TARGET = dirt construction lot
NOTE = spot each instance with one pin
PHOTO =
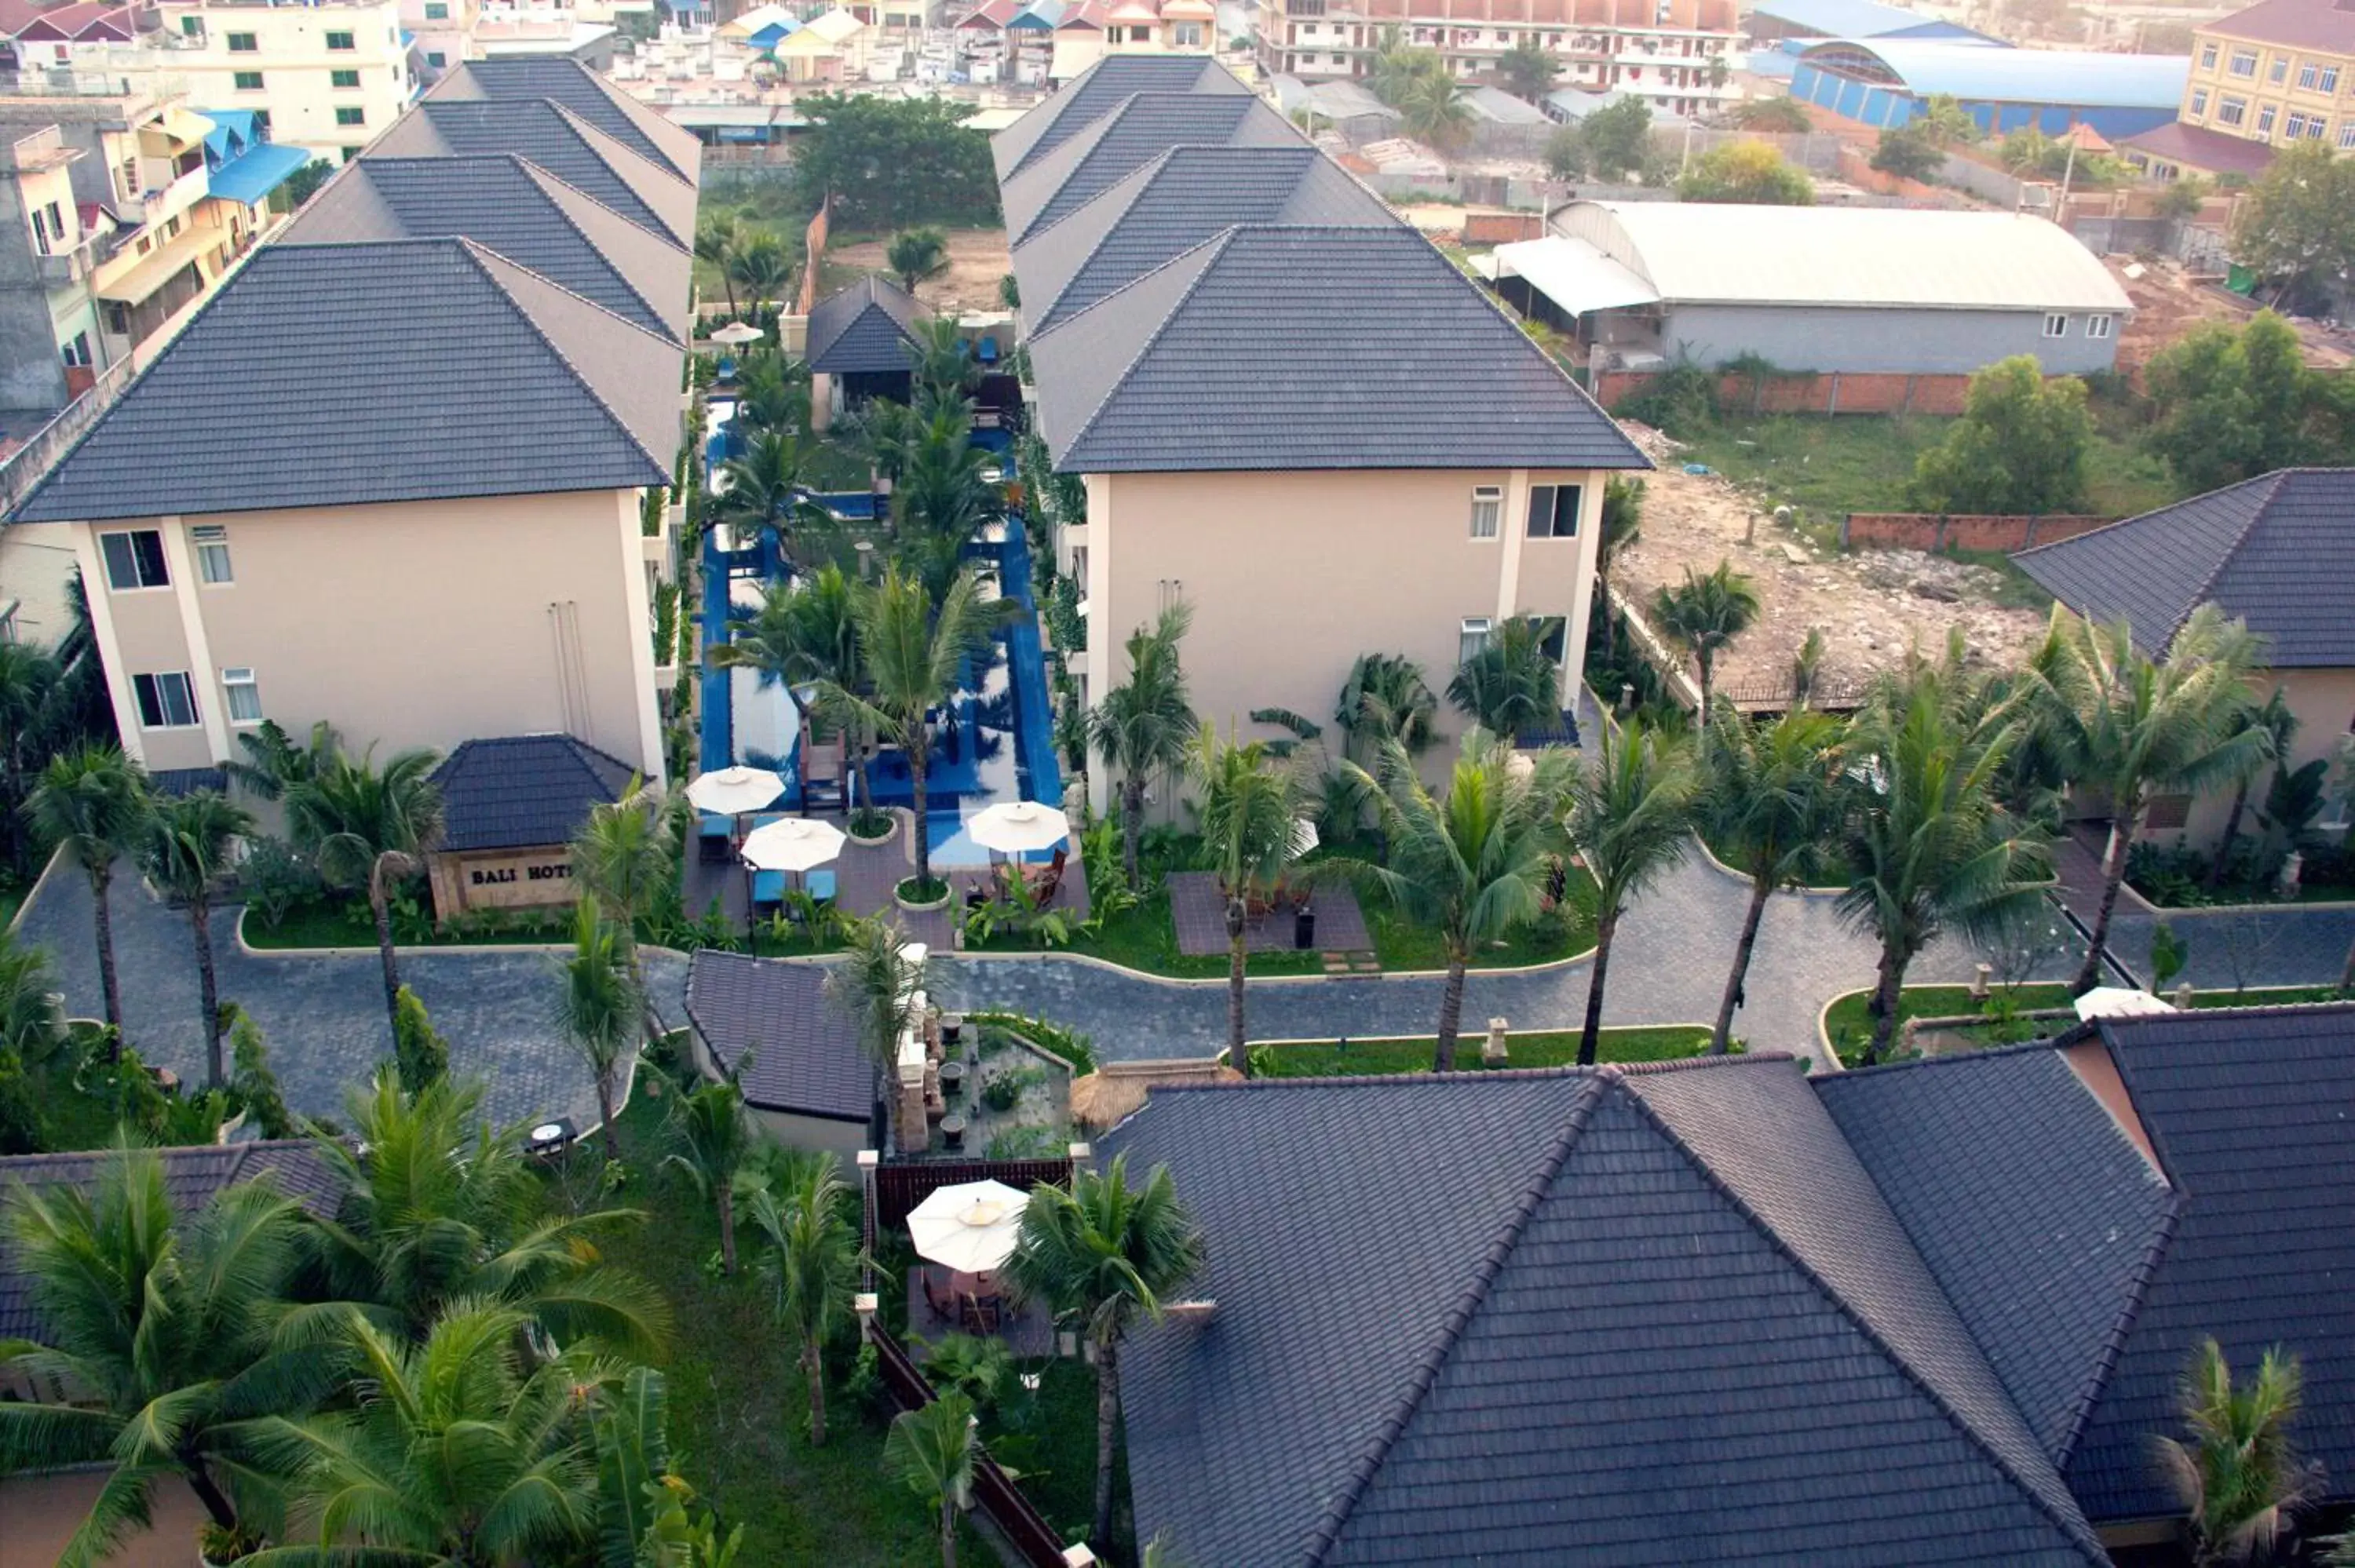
(1873, 605)
(977, 260)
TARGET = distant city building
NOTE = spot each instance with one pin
(326, 77)
(1885, 82)
(2278, 72)
(1814, 20)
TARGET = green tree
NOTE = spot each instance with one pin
(600, 1010)
(768, 487)
(2230, 404)
(2129, 728)
(916, 254)
(717, 240)
(31, 682)
(1779, 116)
(1526, 71)
(625, 857)
(161, 1323)
(2182, 197)
(2296, 225)
(1104, 1256)
(944, 368)
(419, 1055)
(1144, 725)
(1947, 122)
(2239, 1473)
(805, 633)
(32, 1014)
(1623, 528)
(1910, 151)
(1631, 817)
(888, 164)
(2020, 446)
(1512, 683)
(304, 182)
(93, 803)
(874, 985)
(272, 762)
(365, 826)
(1750, 172)
(2274, 726)
(1386, 699)
(813, 1264)
(1472, 865)
(1769, 810)
(1565, 152)
(1397, 67)
(762, 269)
(1704, 615)
(1431, 110)
(710, 1140)
(1617, 137)
(933, 1450)
(1248, 800)
(187, 851)
(253, 1081)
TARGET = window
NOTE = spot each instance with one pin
(2207, 57)
(1487, 501)
(433, 59)
(1187, 35)
(2294, 127)
(118, 317)
(350, 152)
(1553, 511)
(244, 696)
(166, 701)
(2231, 110)
(2244, 61)
(2347, 137)
(437, 13)
(343, 78)
(2280, 72)
(2097, 326)
(352, 116)
(171, 228)
(2328, 82)
(345, 41)
(2200, 100)
(2316, 127)
(2264, 120)
(2056, 324)
(243, 44)
(1472, 638)
(2308, 75)
(78, 351)
(212, 553)
(134, 560)
(261, 122)
(247, 81)
(192, 27)
(129, 177)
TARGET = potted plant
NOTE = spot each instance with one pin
(872, 825)
(218, 1546)
(916, 896)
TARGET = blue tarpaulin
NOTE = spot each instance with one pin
(253, 173)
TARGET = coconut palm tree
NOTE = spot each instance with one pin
(2239, 1474)
(1144, 725)
(916, 254)
(1103, 1257)
(625, 857)
(32, 1014)
(2275, 727)
(272, 763)
(29, 681)
(1631, 817)
(187, 850)
(813, 1264)
(773, 394)
(716, 242)
(1705, 614)
(1248, 800)
(1431, 110)
(709, 1141)
(1512, 683)
(1472, 865)
(600, 1010)
(1929, 846)
(460, 1450)
(933, 1450)
(915, 653)
(365, 826)
(762, 269)
(161, 1323)
(1622, 529)
(768, 487)
(1385, 699)
(1770, 809)
(2132, 728)
(93, 803)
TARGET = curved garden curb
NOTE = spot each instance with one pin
(1068, 956)
(1720, 866)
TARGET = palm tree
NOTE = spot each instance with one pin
(366, 826)
(29, 679)
(458, 1451)
(1512, 683)
(187, 848)
(1771, 811)
(916, 655)
(874, 985)
(2275, 727)
(32, 1014)
(761, 267)
(1631, 817)
(773, 394)
(1929, 846)
(1385, 699)
(273, 764)
(600, 1010)
(2132, 728)
(1248, 801)
(1102, 1256)
(1705, 614)
(161, 1325)
(1526, 71)
(711, 1140)
(942, 368)
(1474, 865)
(1622, 529)
(92, 802)
(916, 254)
(814, 1265)
(716, 240)
(768, 488)
(1434, 113)
(625, 856)
(933, 1450)
(1144, 725)
(2239, 1474)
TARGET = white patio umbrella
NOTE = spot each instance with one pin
(1304, 836)
(736, 334)
(2117, 1001)
(734, 790)
(1014, 826)
(971, 1226)
(792, 844)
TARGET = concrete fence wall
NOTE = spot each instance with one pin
(1935, 531)
(1833, 392)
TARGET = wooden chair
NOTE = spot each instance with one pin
(1050, 881)
(981, 1313)
(938, 1297)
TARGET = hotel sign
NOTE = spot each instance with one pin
(535, 876)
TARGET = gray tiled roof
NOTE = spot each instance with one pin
(558, 140)
(1094, 92)
(805, 1055)
(2037, 1215)
(400, 371)
(2253, 1114)
(1171, 205)
(1634, 1317)
(866, 328)
(524, 791)
(1378, 351)
(191, 1176)
(1141, 129)
(583, 91)
(524, 213)
(2271, 551)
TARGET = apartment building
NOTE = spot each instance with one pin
(2278, 72)
(1677, 54)
(328, 77)
(455, 382)
(1289, 410)
(440, 30)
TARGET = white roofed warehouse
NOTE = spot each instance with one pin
(1829, 290)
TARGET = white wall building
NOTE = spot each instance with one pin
(329, 76)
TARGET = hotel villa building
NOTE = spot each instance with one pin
(2278, 72)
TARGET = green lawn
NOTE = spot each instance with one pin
(1548, 1048)
(1849, 1023)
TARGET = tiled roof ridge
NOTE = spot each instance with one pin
(245, 1152)
(582, 131)
(1950, 1058)
(580, 125)
(2225, 558)
(1104, 124)
(1490, 1074)
(2089, 1394)
(1217, 245)
(2077, 1530)
(2270, 479)
(1427, 1367)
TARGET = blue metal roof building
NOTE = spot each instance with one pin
(1848, 19)
(1888, 81)
(246, 164)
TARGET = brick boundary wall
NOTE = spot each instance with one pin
(1933, 531)
(1831, 392)
(1501, 227)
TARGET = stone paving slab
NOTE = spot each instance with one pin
(1200, 912)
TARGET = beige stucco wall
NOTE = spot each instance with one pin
(417, 623)
(501, 879)
(1293, 574)
(2324, 702)
(38, 1514)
